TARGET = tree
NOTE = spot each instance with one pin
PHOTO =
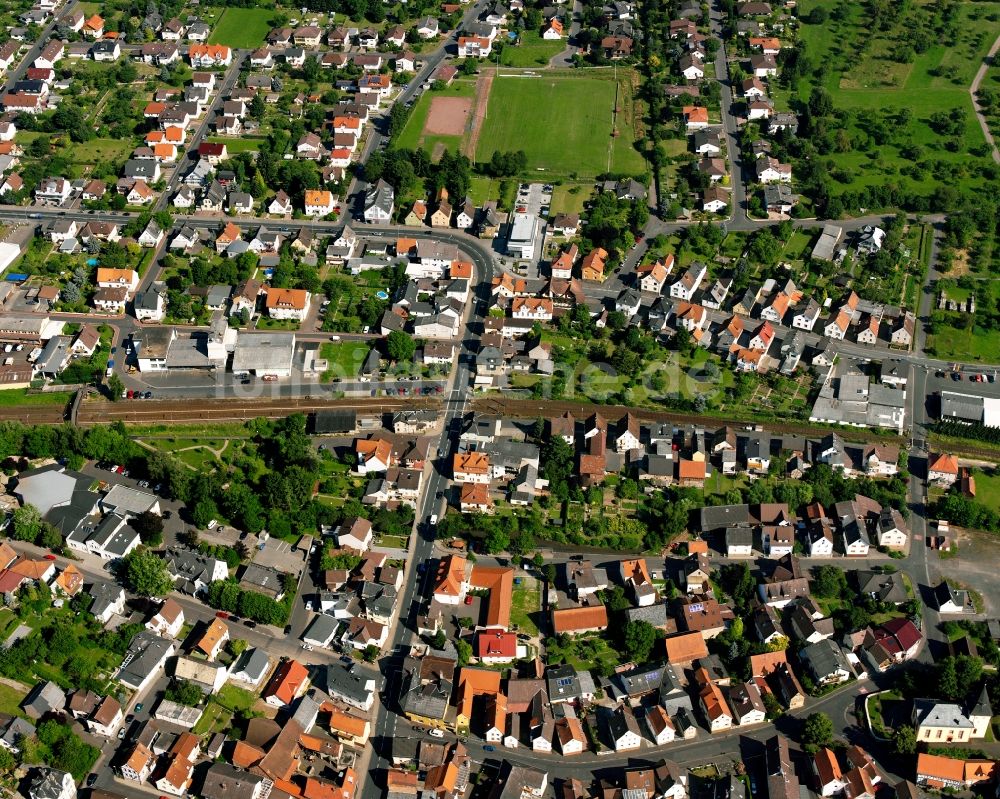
(828, 581)
(639, 637)
(49, 537)
(738, 583)
(497, 540)
(147, 574)
(904, 740)
(772, 706)
(27, 523)
(149, 526)
(115, 387)
(184, 692)
(439, 640)
(236, 646)
(113, 255)
(400, 346)
(463, 650)
(817, 732)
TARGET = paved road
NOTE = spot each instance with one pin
(565, 58)
(379, 138)
(738, 216)
(458, 393)
(19, 71)
(980, 74)
(185, 162)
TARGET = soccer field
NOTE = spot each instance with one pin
(242, 27)
(563, 124)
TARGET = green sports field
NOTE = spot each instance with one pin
(242, 27)
(562, 123)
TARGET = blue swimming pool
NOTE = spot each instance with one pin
(91, 262)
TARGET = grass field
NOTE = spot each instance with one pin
(344, 358)
(525, 603)
(988, 489)
(973, 344)
(242, 27)
(861, 68)
(562, 123)
(532, 51)
(89, 152)
(954, 339)
(21, 396)
(241, 145)
(413, 136)
(10, 700)
(570, 198)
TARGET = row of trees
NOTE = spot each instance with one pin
(227, 595)
(405, 169)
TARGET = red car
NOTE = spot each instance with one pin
(50, 557)
(222, 615)
(468, 600)
(130, 394)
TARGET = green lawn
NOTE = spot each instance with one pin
(988, 489)
(525, 602)
(564, 124)
(570, 198)
(484, 189)
(344, 358)
(22, 396)
(10, 700)
(215, 718)
(242, 27)
(88, 152)
(531, 51)
(233, 698)
(246, 144)
(413, 136)
(974, 343)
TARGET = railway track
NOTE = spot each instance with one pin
(533, 409)
(190, 411)
(34, 414)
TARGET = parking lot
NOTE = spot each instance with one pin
(534, 198)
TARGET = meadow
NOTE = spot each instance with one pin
(242, 27)
(413, 135)
(531, 51)
(890, 82)
(563, 124)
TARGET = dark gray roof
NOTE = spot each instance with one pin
(338, 682)
(720, 516)
(253, 663)
(223, 781)
(824, 658)
(44, 698)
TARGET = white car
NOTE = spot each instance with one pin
(436, 733)
(211, 525)
(307, 647)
